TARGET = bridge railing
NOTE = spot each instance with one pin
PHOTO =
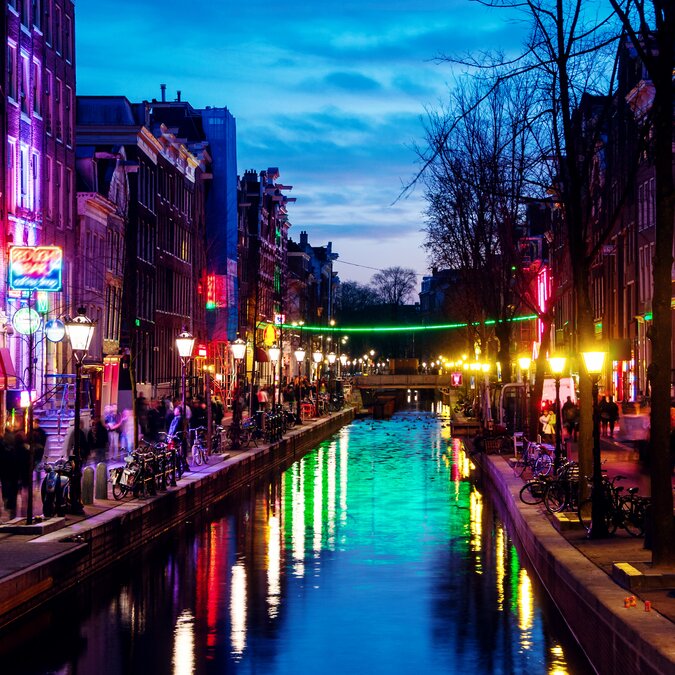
(401, 381)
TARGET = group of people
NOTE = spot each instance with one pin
(609, 415)
(16, 469)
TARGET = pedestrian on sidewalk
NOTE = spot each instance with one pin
(613, 412)
(547, 420)
(604, 415)
(98, 438)
(570, 416)
(111, 420)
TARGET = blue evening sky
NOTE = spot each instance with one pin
(332, 93)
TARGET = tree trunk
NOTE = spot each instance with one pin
(663, 551)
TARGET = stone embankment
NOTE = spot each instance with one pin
(614, 638)
(36, 569)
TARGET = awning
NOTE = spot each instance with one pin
(8, 374)
(261, 355)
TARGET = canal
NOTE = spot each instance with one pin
(376, 552)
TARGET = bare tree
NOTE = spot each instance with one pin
(394, 285)
(356, 297)
(475, 189)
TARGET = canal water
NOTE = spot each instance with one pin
(374, 553)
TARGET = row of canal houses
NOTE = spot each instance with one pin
(138, 213)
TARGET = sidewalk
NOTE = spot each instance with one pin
(621, 458)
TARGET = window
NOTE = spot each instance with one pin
(24, 11)
(69, 198)
(57, 109)
(48, 102)
(35, 178)
(68, 116)
(11, 171)
(68, 37)
(24, 172)
(49, 186)
(37, 13)
(58, 180)
(24, 91)
(58, 30)
(12, 73)
(37, 89)
(48, 24)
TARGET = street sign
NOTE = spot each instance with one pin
(55, 330)
(26, 321)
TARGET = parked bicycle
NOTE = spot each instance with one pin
(535, 456)
(198, 449)
(628, 511)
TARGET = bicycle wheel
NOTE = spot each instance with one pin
(205, 455)
(633, 517)
(119, 491)
(196, 453)
(532, 492)
(584, 511)
(542, 465)
(555, 497)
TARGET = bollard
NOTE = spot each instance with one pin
(648, 606)
(633, 601)
(88, 486)
(101, 481)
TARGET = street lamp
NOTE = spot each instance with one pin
(299, 357)
(557, 365)
(185, 342)
(80, 330)
(594, 362)
(238, 349)
(274, 354)
(317, 357)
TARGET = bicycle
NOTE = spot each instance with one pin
(628, 512)
(198, 452)
(534, 456)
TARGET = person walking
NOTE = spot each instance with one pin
(604, 415)
(9, 472)
(111, 421)
(547, 429)
(613, 415)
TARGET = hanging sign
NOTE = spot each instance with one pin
(269, 335)
(35, 268)
(26, 321)
(55, 330)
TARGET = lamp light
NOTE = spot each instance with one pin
(238, 348)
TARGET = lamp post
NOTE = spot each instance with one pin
(594, 362)
(524, 363)
(80, 330)
(557, 365)
(317, 357)
(238, 349)
(331, 362)
(343, 362)
(274, 354)
(185, 342)
(299, 357)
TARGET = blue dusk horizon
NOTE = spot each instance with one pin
(333, 96)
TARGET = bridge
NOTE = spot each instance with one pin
(402, 381)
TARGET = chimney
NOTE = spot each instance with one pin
(178, 96)
(303, 238)
(163, 88)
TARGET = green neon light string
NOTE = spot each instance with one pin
(393, 329)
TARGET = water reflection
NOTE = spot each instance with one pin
(374, 553)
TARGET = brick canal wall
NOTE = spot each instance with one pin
(54, 563)
(614, 639)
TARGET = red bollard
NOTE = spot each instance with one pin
(648, 606)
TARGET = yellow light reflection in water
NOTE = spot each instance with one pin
(558, 665)
(298, 515)
(331, 496)
(476, 525)
(318, 502)
(500, 565)
(525, 609)
(273, 566)
(238, 610)
(184, 644)
(344, 478)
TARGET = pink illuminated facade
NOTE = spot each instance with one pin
(38, 196)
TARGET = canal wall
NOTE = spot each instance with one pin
(615, 640)
(49, 565)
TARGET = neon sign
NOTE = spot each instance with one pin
(35, 268)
